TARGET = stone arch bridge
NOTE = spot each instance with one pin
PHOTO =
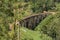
(32, 21)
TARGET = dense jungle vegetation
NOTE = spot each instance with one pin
(12, 11)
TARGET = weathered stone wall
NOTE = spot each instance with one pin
(32, 21)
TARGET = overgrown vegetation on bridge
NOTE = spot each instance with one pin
(12, 11)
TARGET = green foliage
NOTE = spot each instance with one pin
(57, 6)
(32, 35)
(50, 26)
(6, 17)
(12, 10)
(44, 22)
(42, 5)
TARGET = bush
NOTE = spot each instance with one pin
(42, 5)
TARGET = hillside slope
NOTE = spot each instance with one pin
(26, 34)
(50, 26)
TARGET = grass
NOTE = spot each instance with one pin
(50, 26)
(32, 35)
